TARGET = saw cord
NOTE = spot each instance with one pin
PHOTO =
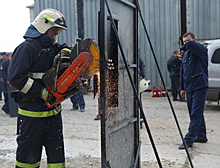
(168, 97)
(133, 85)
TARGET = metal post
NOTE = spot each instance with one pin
(103, 96)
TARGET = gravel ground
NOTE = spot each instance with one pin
(82, 136)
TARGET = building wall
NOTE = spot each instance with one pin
(162, 22)
(203, 18)
(91, 8)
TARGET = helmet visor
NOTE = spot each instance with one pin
(61, 22)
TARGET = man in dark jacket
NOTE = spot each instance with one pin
(40, 126)
(173, 66)
(194, 82)
(4, 57)
(4, 69)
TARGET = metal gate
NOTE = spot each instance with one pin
(118, 106)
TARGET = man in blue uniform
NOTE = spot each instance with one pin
(173, 66)
(4, 69)
(194, 82)
(4, 57)
(40, 125)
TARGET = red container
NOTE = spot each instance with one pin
(159, 93)
(154, 92)
(163, 92)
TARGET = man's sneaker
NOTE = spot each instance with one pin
(82, 110)
(183, 147)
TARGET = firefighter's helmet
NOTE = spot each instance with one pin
(49, 18)
(144, 84)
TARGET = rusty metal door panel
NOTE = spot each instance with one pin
(120, 133)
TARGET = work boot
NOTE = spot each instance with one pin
(141, 123)
(73, 109)
(183, 147)
(200, 140)
(97, 117)
(175, 97)
(82, 110)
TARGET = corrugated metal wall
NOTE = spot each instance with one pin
(69, 9)
(91, 8)
(203, 18)
(162, 22)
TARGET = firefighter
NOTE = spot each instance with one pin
(39, 125)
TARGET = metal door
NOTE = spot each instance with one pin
(120, 118)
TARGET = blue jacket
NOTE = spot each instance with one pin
(194, 71)
(173, 65)
(4, 69)
(1, 60)
(34, 55)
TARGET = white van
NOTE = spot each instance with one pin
(213, 70)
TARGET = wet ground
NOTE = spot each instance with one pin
(82, 136)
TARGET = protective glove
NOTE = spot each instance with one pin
(16, 95)
(65, 53)
(46, 94)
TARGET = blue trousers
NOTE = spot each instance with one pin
(196, 105)
(78, 100)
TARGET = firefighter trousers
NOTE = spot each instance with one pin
(36, 133)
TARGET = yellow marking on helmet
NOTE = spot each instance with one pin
(49, 19)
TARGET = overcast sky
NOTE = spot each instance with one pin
(15, 20)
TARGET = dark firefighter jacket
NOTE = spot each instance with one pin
(194, 71)
(34, 56)
(173, 65)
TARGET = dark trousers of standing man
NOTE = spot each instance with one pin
(175, 87)
(196, 105)
(78, 101)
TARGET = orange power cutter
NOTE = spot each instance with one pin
(84, 59)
